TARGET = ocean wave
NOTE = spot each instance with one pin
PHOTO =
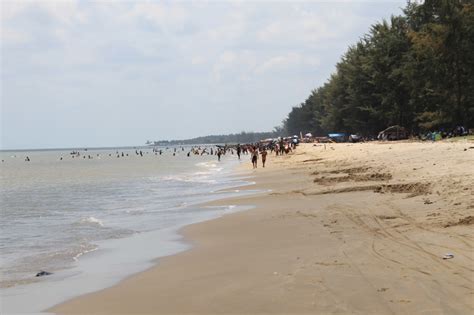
(84, 250)
(92, 220)
(189, 178)
(135, 211)
(211, 165)
(22, 270)
(201, 173)
(223, 208)
(207, 164)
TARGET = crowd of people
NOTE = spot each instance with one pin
(261, 149)
(256, 151)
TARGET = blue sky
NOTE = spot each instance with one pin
(81, 73)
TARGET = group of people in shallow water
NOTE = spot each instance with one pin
(258, 149)
(255, 150)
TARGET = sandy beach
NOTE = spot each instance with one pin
(339, 229)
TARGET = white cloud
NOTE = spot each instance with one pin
(288, 61)
(10, 8)
(139, 56)
(13, 37)
(8, 11)
(65, 12)
(234, 65)
(198, 60)
(168, 16)
(308, 27)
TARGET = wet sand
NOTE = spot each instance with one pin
(345, 229)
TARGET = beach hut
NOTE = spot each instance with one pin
(393, 133)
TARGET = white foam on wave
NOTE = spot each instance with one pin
(201, 173)
(92, 220)
(189, 178)
(204, 175)
(211, 165)
(85, 251)
(134, 211)
(207, 164)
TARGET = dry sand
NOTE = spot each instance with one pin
(345, 229)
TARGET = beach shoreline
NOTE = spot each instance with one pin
(342, 228)
(112, 260)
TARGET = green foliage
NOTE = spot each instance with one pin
(415, 70)
(243, 137)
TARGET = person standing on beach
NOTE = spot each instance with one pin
(263, 152)
(219, 153)
(254, 157)
(238, 150)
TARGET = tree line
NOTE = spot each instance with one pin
(415, 70)
(242, 137)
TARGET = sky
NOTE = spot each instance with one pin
(117, 73)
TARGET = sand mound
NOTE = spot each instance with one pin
(464, 221)
(414, 189)
(387, 217)
(312, 160)
(330, 180)
(345, 190)
(352, 170)
(372, 177)
(354, 177)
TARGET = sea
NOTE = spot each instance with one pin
(95, 216)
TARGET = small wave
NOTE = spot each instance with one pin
(86, 249)
(21, 270)
(207, 164)
(92, 220)
(188, 179)
(211, 165)
(135, 211)
(201, 173)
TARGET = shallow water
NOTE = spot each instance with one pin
(62, 215)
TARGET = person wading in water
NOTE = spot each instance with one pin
(254, 157)
(263, 152)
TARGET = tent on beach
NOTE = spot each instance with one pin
(338, 137)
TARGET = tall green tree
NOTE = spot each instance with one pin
(414, 70)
